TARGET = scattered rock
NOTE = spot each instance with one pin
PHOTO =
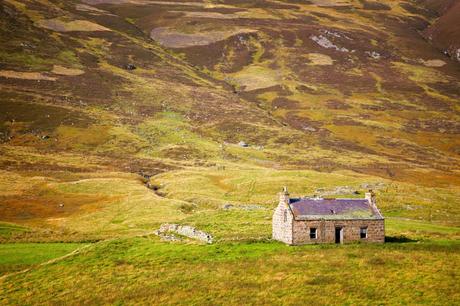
(321, 192)
(130, 67)
(374, 186)
(309, 129)
(326, 43)
(227, 206)
(373, 54)
(243, 144)
(335, 34)
(27, 45)
(242, 207)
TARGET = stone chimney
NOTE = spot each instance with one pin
(284, 197)
(370, 196)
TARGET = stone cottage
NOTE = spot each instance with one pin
(327, 220)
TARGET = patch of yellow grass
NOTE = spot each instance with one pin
(10, 74)
(433, 63)
(211, 15)
(259, 13)
(14, 184)
(331, 3)
(173, 38)
(59, 25)
(420, 73)
(256, 77)
(91, 9)
(318, 59)
(61, 70)
(104, 138)
(133, 207)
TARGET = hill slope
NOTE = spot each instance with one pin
(120, 115)
(111, 90)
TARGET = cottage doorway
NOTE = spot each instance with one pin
(338, 235)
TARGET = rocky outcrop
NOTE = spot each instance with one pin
(183, 230)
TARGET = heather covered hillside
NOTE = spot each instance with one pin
(117, 116)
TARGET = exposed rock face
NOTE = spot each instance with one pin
(444, 34)
(326, 43)
(184, 230)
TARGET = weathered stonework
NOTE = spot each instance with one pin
(326, 231)
(286, 228)
(282, 224)
(184, 230)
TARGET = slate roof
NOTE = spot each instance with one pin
(319, 208)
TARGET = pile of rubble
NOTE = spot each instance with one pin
(167, 231)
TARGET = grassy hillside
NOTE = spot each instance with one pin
(119, 116)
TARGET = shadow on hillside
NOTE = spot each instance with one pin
(398, 239)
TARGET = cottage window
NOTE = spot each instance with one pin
(313, 233)
(285, 216)
(363, 232)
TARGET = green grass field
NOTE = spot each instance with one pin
(19, 256)
(145, 271)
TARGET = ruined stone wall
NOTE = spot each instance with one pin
(185, 230)
(326, 231)
(281, 226)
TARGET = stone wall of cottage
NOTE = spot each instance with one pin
(282, 224)
(326, 231)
